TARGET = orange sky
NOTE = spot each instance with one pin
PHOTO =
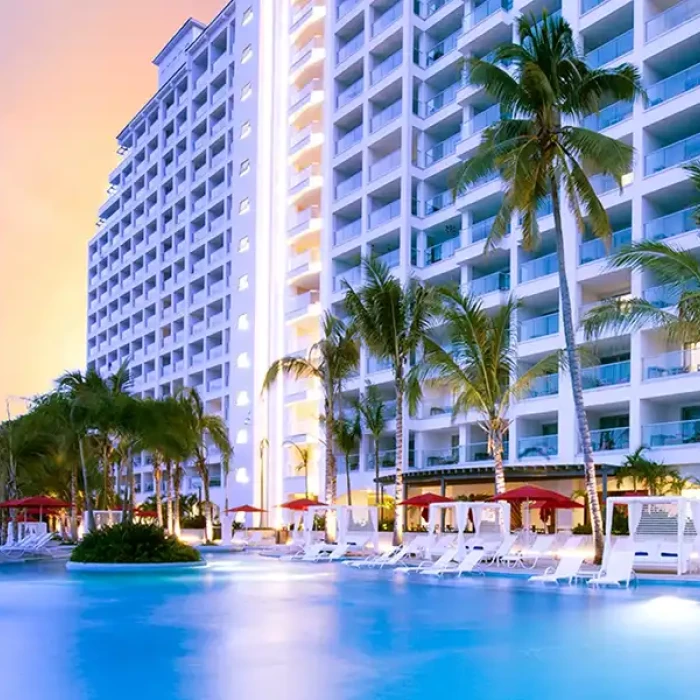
(72, 73)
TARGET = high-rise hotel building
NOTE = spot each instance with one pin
(287, 140)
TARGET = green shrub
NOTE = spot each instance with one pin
(132, 543)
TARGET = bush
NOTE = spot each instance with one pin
(132, 543)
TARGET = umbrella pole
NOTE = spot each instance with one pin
(527, 521)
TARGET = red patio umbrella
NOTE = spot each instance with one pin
(247, 509)
(146, 513)
(301, 504)
(11, 503)
(424, 500)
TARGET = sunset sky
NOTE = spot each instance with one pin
(72, 73)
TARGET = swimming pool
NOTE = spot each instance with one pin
(258, 629)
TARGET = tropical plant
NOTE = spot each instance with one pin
(480, 369)
(347, 432)
(373, 414)
(655, 477)
(304, 460)
(331, 360)
(206, 430)
(542, 154)
(132, 543)
(393, 320)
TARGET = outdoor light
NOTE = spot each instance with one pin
(242, 476)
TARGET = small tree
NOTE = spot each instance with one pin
(372, 411)
(347, 434)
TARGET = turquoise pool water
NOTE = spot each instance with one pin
(258, 629)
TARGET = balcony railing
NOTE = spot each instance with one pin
(438, 202)
(301, 302)
(386, 213)
(547, 385)
(538, 446)
(345, 6)
(387, 115)
(674, 224)
(426, 8)
(388, 65)
(663, 296)
(391, 259)
(485, 10)
(348, 232)
(441, 150)
(302, 219)
(539, 267)
(347, 141)
(441, 251)
(385, 165)
(495, 282)
(441, 49)
(596, 249)
(387, 18)
(674, 154)
(610, 439)
(669, 19)
(610, 374)
(350, 93)
(353, 276)
(539, 327)
(376, 365)
(299, 16)
(588, 5)
(671, 364)
(480, 230)
(303, 96)
(609, 116)
(439, 101)
(350, 48)
(611, 50)
(351, 184)
(682, 432)
(674, 85)
(482, 120)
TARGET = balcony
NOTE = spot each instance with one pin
(480, 230)
(385, 20)
(672, 155)
(375, 364)
(313, 50)
(671, 364)
(441, 49)
(479, 452)
(304, 263)
(304, 222)
(495, 282)
(611, 50)
(539, 327)
(387, 115)
(443, 99)
(348, 232)
(387, 66)
(348, 186)
(441, 150)
(427, 8)
(485, 10)
(547, 385)
(391, 259)
(609, 116)
(353, 277)
(348, 140)
(682, 432)
(670, 19)
(438, 202)
(385, 165)
(386, 213)
(310, 136)
(302, 305)
(539, 267)
(308, 178)
(344, 7)
(538, 446)
(673, 86)
(311, 94)
(610, 439)
(350, 49)
(441, 251)
(674, 224)
(606, 375)
(482, 120)
(350, 93)
(303, 14)
(663, 296)
(596, 249)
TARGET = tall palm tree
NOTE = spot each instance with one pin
(331, 360)
(205, 430)
(347, 432)
(480, 369)
(541, 153)
(304, 456)
(373, 413)
(393, 320)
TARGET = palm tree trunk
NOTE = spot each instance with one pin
(177, 477)
(398, 492)
(208, 524)
(106, 478)
(132, 484)
(576, 384)
(496, 440)
(89, 524)
(347, 478)
(157, 485)
(331, 476)
(169, 493)
(380, 511)
(74, 503)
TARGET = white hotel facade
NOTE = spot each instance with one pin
(287, 140)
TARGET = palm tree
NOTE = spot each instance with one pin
(372, 410)
(347, 433)
(331, 360)
(480, 369)
(204, 430)
(304, 455)
(541, 154)
(393, 320)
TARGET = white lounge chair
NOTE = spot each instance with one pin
(19, 549)
(443, 561)
(566, 570)
(616, 571)
(309, 553)
(467, 566)
(335, 552)
(529, 556)
(503, 549)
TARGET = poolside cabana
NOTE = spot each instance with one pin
(491, 519)
(356, 524)
(663, 530)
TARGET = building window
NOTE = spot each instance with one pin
(242, 398)
(245, 129)
(247, 54)
(242, 283)
(243, 361)
(243, 324)
(244, 206)
(243, 244)
(247, 16)
(245, 167)
(246, 92)
(242, 436)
